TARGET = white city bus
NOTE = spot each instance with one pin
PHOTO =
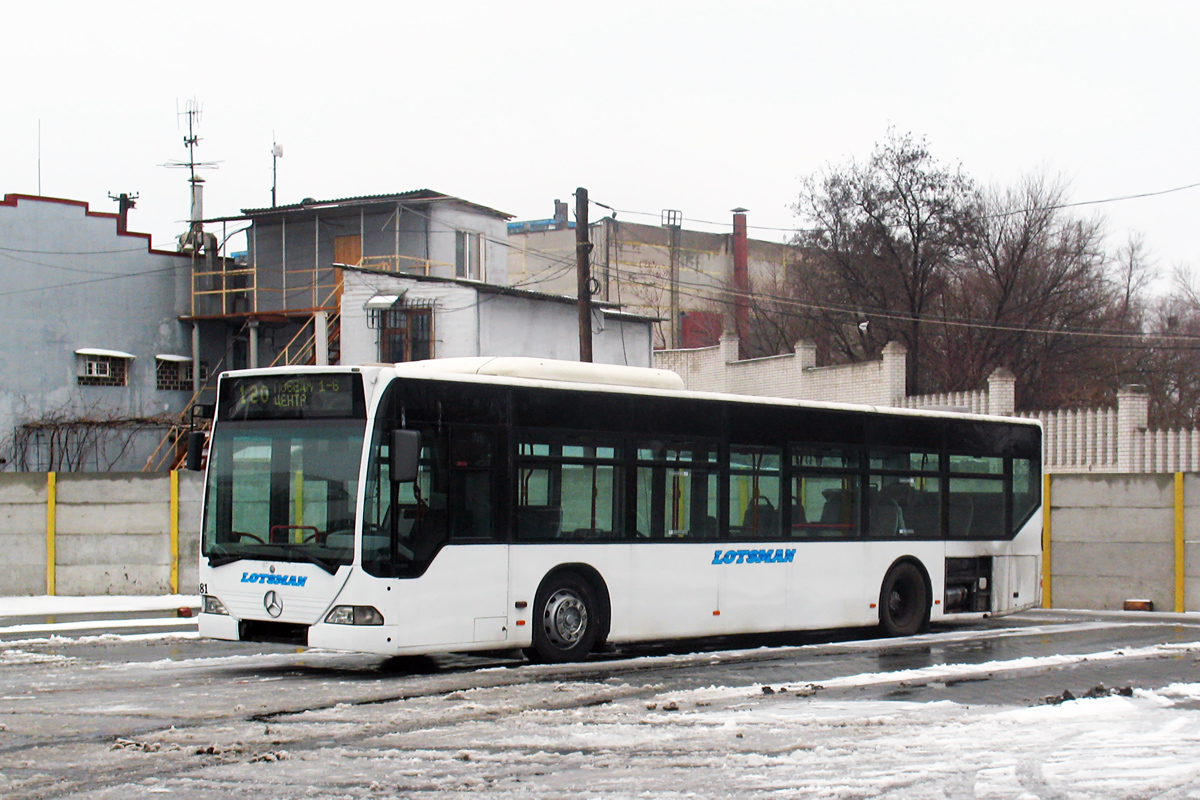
(487, 504)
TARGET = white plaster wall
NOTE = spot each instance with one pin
(516, 326)
(454, 323)
(496, 325)
(445, 219)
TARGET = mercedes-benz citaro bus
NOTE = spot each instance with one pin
(497, 503)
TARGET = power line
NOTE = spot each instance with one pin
(1055, 207)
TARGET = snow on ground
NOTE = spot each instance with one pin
(56, 605)
(575, 738)
(577, 741)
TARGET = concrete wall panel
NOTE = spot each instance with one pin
(1113, 491)
(115, 518)
(104, 580)
(112, 487)
(1114, 560)
(1110, 595)
(21, 550)
(1129, 525)
(119, 550)
(23, 519)
(17, 487)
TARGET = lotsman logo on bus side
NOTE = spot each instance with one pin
(273, 580)
(754, 556)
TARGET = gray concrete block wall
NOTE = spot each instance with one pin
(1113, 539)
(191, 494)
(112, 533)
(23, 533)
(1113, 536)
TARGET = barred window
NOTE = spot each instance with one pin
(175, 374)
(405, 334)
(103, 370)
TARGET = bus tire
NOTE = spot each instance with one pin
(566, 620)
(904, 602)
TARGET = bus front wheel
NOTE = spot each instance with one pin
(567, 621)
(904, 601)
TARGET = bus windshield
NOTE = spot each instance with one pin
(283, 490)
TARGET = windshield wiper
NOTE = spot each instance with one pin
(306, 556)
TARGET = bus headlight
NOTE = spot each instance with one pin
(214, 606)
(354, 615)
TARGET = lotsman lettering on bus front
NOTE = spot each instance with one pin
(780, 556)
(274, 580)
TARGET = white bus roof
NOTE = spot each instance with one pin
(546, 369)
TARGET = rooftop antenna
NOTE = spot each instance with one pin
(276, 154)
(194, 112)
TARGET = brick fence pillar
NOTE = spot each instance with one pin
(1002, 392)
(1133, 416)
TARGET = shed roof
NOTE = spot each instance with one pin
(309, 204)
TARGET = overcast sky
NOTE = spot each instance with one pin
(698, 106)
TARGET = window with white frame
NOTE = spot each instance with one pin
(468, 255)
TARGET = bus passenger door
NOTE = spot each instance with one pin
(437, 535)
(467, 583)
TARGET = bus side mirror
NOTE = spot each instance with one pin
(195, 451)
(404, 454)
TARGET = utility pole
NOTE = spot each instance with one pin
(672, 220)
(583, 253)
(125, 202)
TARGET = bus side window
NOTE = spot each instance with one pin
(677, 491)
(755, 496)
(826, 492)
(904, 498)
(570, 487)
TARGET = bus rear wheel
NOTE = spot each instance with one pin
(904, 601)
(566, 622)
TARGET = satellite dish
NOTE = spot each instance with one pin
(277, 150)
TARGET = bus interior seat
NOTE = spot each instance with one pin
(539, 522)
(962, 511)
(886, 518)
(831, 512)
(924, 513)
(761, 518)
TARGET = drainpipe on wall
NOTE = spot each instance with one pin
(196, 358)
(253, 332)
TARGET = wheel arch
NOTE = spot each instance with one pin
(592, 575)
(920, 566)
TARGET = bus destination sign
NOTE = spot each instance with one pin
(317, 396)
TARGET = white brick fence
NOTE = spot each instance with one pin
(1077, 440)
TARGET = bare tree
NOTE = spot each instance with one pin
(884, 237)
(1169, 364)
(1035, 292)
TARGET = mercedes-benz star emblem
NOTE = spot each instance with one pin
(272, 604)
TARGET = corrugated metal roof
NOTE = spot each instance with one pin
(416, 195)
